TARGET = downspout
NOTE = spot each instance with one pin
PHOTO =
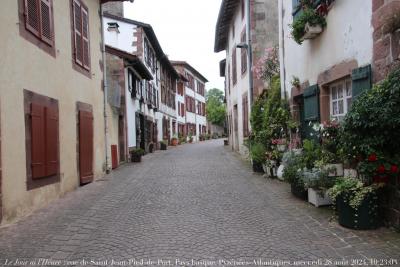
(105, 89)
(249, 53)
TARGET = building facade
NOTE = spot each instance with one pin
(232, 35)
(358, 47)
(51, 102)
(150, 109)
(191, 99)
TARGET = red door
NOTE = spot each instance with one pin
(85, 146)
(114, 156)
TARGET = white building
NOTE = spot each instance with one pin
(231, 31)
(332, 67)
(150, 104)
(192, 100)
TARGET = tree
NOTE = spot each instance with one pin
(215, 107)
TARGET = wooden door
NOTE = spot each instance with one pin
(85, 146)
(114, 156)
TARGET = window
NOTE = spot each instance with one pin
(245, 115)
(234, 72)
(132, 83)
(39, 19)
(243, 52)
(243, 8)
(340, 98)
(81, 34)
(42, 135)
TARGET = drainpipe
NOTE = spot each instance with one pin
(105, 89)
(249, 53)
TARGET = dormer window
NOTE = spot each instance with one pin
(113, 26)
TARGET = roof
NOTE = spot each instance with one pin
(225, 16)
(193, 70)
(134, 61)
(152, 38)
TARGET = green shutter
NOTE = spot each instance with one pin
(311, 103)
(361, 80)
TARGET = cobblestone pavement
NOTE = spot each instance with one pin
(197, 202)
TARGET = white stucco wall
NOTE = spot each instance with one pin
(348, 36)
(242, 86)
(123, 39)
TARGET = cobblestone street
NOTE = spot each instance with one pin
(196, 202)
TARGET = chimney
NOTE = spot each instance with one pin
(114, 8)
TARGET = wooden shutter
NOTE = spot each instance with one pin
(38, 141)
(361, 80)
(85, 39)
(311, 103)
(46, 21)
(32, 17)
(85, 146)
(51, 141)
(78, 31)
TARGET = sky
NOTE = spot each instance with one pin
(186, 31)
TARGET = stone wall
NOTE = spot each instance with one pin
(386, 36)
(114, 8)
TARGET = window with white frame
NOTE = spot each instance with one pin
(340, 98)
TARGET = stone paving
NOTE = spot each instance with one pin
(193, 205)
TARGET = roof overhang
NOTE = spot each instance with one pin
(132, 61)
(193, 70)
(226, 12)
(222, 66)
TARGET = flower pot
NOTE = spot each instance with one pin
(366, 218)
(311, 31)
(350, 173)
(257, 167)
(336, 169)
(281, 148)
(163, 146)
(279, 172)
(174, 142)
(136, 158)
(318, 198)
(299, 191)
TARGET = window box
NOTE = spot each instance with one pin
(311, 31)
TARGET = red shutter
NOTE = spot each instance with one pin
(38, 139)
(32, 17)
(85, 39)
(78, 32)
(51, 141)
(46, 23)
(85, 146)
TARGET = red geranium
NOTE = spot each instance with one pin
(381, 169)
(394, 169)
(372, 157)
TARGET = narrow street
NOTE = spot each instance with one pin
(192, 202)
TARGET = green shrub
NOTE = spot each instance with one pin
(257, 153)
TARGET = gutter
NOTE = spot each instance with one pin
(105, 89)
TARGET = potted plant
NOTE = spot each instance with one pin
(182, 139)
(295, 82)
(190, 138)
(318, 182)
(292, 174)
(163, 145)
(308, 25)
(174, 140)
(257, 153)
(281, 144)
(136, 154)
(357, 204)
(270, 165)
